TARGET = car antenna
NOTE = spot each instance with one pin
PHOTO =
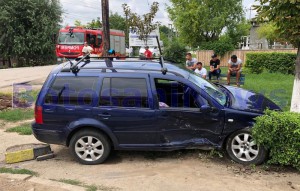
(164, 69)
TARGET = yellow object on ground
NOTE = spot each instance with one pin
(19, 153)
(19, 156)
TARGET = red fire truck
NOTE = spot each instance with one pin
(71, 40)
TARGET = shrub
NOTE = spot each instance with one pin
(280, 133)
(272, 62)
(175, 52)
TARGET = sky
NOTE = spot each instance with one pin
(86, 10)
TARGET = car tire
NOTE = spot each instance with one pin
(90, 147)
(242, 149)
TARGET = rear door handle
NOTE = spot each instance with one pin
(49, 110)
(104, 115)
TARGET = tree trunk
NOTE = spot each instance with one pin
(295, 106)
(105, 21)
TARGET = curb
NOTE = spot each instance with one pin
(26, 152)
(40, 181)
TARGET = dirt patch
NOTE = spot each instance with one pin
(5, 102)
(8, 184)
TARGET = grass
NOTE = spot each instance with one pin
(17, 171)
(14, 115)
(88, 187)
(275, 86)
(23, 129)
(70, 181)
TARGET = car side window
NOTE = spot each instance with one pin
(175, 94)
(124, 92)
(72, 91)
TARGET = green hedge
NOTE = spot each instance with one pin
(272, 62)
(280, 133)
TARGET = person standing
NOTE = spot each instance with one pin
(87, 49)
(202, 72)
(234, 69)
(147, 53)
(190, 62)
(214, 68)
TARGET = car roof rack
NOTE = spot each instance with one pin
(75, 69)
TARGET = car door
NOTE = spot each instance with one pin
(183, 122)
(125, 108)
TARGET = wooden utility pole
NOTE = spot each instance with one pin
(105, 22)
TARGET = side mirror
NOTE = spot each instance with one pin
(205, 109)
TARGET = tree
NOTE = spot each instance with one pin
(142, 25)
(94, 24)
(117, 22)
(285, 16)
(235, 33)
(204, 20)
(268, 31)
(28, 28)
(77, 23)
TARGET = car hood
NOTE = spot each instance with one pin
(246, 100)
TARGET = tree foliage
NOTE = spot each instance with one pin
(285, 14)
(220, 47)
(118, 22)
(175, 52)
(27, 29)
(268, 31)
(94, 24)
(204, 20)
(286, 17)
(142, 25)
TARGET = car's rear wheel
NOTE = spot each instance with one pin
(242, 148)
(90, 147)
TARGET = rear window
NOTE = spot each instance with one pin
(72, 91)
(124, 92)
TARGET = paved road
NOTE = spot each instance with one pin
(21, 75)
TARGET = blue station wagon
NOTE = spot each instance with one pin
(99, 105)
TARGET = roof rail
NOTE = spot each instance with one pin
(122, 68)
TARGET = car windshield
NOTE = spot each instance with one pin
(67, 38)
(209, 88)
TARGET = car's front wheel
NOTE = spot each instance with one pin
(242, 148)
(90, 147)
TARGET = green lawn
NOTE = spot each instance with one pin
(276, 86)
(13, 115)
(23, 129)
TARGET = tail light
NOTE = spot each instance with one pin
(38, 114)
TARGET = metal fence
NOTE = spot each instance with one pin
(205, 55)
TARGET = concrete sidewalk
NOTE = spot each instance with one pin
(23, 75)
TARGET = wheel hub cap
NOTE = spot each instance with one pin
(89, 148)
(244, 147)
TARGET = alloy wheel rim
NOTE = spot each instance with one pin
(244, 147)
(89, 148)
